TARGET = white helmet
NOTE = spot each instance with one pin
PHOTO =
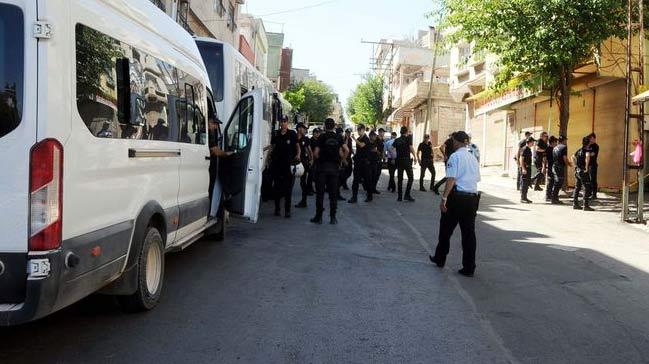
(298, 170)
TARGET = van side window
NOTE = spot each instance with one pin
(239, 128)
(152, 92)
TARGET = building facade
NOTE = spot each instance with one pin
(407, 69)
(253, 32)
(498, 121)
(285, 69)
(275, 46)
(299, 75)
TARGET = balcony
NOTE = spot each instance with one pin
(416, 93)
(160, 4)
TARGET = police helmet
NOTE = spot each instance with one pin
(298, 170)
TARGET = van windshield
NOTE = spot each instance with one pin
(212, 54)
(11, 67)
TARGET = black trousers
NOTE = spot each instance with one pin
(404, 165)
(582, 180)
(526, 182)
(559, 176)
(539, 176)
(549, 188)
(328, 179)
(462, 210)
(427, 165)
(283, 186)
(375, 172)
(362, 175)
(304, 182)
(392, 168)
(593, 180)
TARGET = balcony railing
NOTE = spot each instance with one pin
(160, 4)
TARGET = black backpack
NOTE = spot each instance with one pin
(330, 148)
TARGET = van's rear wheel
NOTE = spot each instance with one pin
(150, 270)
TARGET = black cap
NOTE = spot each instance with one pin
(373, 133)
(460, 136)
(348, 130)
(317, 130)
(301, 125)
(339, 130)
(381, 130)
(585, 140)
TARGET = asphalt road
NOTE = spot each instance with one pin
(286, 291)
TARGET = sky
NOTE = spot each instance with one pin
(326, 35)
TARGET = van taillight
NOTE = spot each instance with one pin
(45, 195)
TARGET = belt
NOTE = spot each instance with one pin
(462, 193)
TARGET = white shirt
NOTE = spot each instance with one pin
(464, 168)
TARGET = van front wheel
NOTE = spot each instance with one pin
(150, 271)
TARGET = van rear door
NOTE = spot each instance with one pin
(18, 122)
(241, 173)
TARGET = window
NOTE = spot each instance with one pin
(212, 54)
(123, 93)
(11, 67)
(240, 126)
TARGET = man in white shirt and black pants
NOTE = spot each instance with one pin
(459, 205)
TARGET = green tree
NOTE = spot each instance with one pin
(295, 95)
(365, 105)
(537, 41)
(314, 99)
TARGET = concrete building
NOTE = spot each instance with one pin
(497, 121)
(253, 32)
(275, 46)
(285, 69)
(206, 18)
(299, 75)
(406, 66)
(338, 112)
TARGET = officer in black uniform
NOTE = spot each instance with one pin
(521, 144)
(549, 161)
(314, 168)
(305, 147)
(525, 163)
(425, 154)
(341, 133)
(582, 175)
(404, 149)
(347, 167)
(286, 151)
(594, 153)
(380, 150)
(328, 153)
(540, 160)
(362, 165)
(559, 165)
(374, 161)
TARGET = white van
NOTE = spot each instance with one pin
(104, 152)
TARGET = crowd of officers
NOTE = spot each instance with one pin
(329, 159)
(549, 155)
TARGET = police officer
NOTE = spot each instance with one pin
(340, 132)
(314, 168)
(347, 167)
(549, 162)
(525, 163)
(374, 158)
(582, 175)
(559, 164)
(425, 154)
(404, 149)
(459, 205)
(380, 150)
(328, 154)
(286, 151)
(361, 165)
(306, 159)
(540, 160)
(521, 144)
(594, 153)
(391, 155)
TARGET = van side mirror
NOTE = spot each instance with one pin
(123, 91)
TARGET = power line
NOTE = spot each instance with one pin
(300, 9)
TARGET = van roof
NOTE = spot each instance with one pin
(145, 13)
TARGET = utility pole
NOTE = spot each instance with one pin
(381, 68)
(429, 105)
(629, 115)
